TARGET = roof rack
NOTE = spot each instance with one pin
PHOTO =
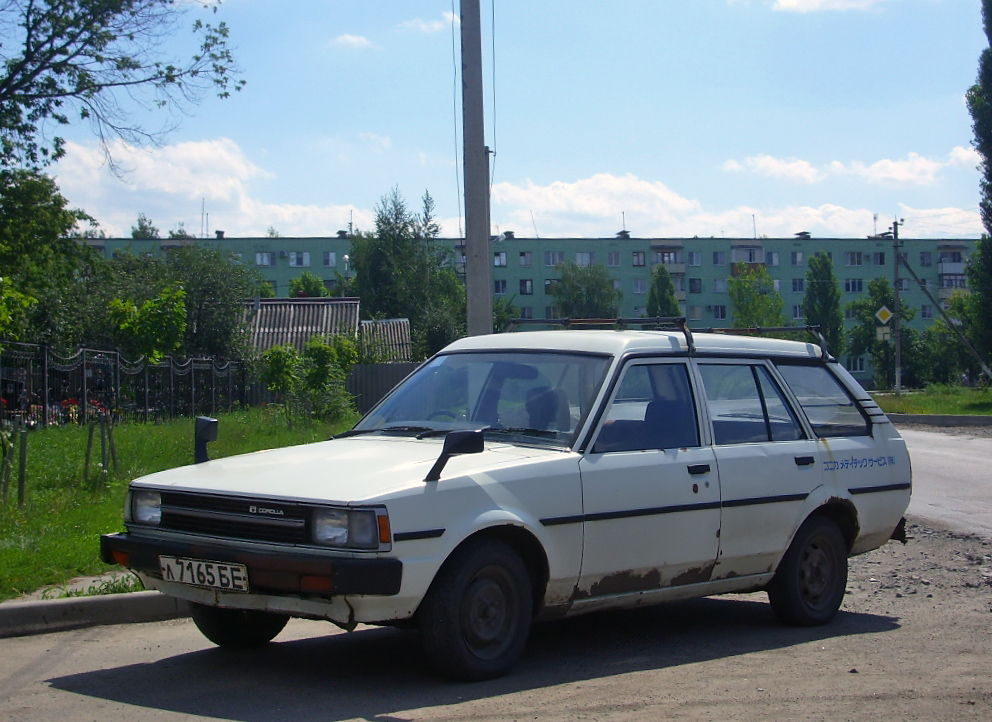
(671, 322)
(656, 323)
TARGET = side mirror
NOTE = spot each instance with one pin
(456, 443)
(206, 431)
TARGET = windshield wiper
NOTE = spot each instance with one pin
(544, 433)
(394, 429)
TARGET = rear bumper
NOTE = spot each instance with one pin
(278, 572)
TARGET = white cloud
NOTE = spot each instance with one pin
(594, 208)
(431, 26)
(352, 41)
(808, 6)
(914, 170)
(380, 143)
(792, 169)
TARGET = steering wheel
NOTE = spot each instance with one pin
(443, 412)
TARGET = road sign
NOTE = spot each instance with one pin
(884, 314)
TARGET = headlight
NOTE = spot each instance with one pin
(353, 528)
(146, 507)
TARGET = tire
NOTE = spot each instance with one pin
(237, 628)
(476, 617)
(809, 586)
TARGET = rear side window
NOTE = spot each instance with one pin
(746, 406)
(829, 407)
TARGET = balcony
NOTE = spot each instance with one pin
(950, 268)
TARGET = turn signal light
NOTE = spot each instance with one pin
(316, 584)
(122, 558)
(385, 536)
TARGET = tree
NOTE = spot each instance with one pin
(754, 298)
(38, 260)
(144, 230)
(979, 100)
(503, 312)
(401, 272)
(155, 328)
(585, 292)
(979, 320)
(181, 233)
(307, 286)
(661, 295)
(821, 304)
(98, 61)
(271, 232)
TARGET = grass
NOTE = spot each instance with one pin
(55, 535)
(956, 400)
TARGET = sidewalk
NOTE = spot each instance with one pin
(33, 614)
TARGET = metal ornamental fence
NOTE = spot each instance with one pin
(44, 387)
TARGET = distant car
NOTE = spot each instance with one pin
(538, 475)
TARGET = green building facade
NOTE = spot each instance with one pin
(524, 268)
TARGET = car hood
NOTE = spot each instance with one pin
(341, 470)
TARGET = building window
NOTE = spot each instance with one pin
(553, 258)
(903, 284)
(719, 258)
(926, 311)
(747, 255)
(853, 285)
(613, 259)
(951, 257)
(878, 258)
(526, 287)
(526, 312)
(798, 285)
(852, 258)
(640, 285)
(526, 259)
(953, 281)
(585, 258)
(776, 284)
(666, 257)
(549, 285)
(330, 259)
(549, 312)
(265, 258)
(855, 363)
(797, 258)
(695, 313)
(616, 284)
(638, 258)
(797, 312)
(640, 311)
(499, 286)
(720, 285)
(926, 258)
(771, 258)
(720, 312)
(695, 258)
(695, 285)
(499, 258)
(299, 259)
(849, 313)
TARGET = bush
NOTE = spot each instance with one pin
(311, 385)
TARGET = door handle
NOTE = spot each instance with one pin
(804, 460)
(696, 469)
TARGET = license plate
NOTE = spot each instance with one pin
(203, 573)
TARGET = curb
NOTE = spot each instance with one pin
(940, 419)
(18, 619)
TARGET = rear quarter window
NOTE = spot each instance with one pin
(826, 402)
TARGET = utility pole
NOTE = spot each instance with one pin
(478, 263)
(897, 311)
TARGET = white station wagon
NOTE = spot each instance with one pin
(538, 475)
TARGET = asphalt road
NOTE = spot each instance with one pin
(952, 480)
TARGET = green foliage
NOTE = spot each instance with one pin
(938, 399)
(145, 229)
(978, 318)
(401, 272)
(585, 292)
(308, 285)
(181, 233)
(38, 260)
(92, 60)
(311, 385)
(979, 100)
(154, 329)
(53, 537)
(754, 298)
(13, 305)
(662, 300)
(821, 304)
(503, 312)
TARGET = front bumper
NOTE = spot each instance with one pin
(277, 572)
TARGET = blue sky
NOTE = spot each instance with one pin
(677, 117)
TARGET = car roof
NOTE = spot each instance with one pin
(619, 342)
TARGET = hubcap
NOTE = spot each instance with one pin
(816, 572)
(487, 616)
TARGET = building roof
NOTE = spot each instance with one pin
(392, 335)
(278, 321)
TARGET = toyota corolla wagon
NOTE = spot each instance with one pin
(535, 475)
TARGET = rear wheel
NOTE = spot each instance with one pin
(809, 586)
(237, 628)
(476, 617)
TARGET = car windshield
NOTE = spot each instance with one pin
(539, 397)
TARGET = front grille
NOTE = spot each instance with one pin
(235, 517)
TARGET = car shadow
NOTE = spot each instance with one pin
(376, 673)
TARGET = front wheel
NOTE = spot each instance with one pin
(476, 617)
(237, 628)
(809, 585)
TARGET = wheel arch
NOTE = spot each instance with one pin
(844, 514)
